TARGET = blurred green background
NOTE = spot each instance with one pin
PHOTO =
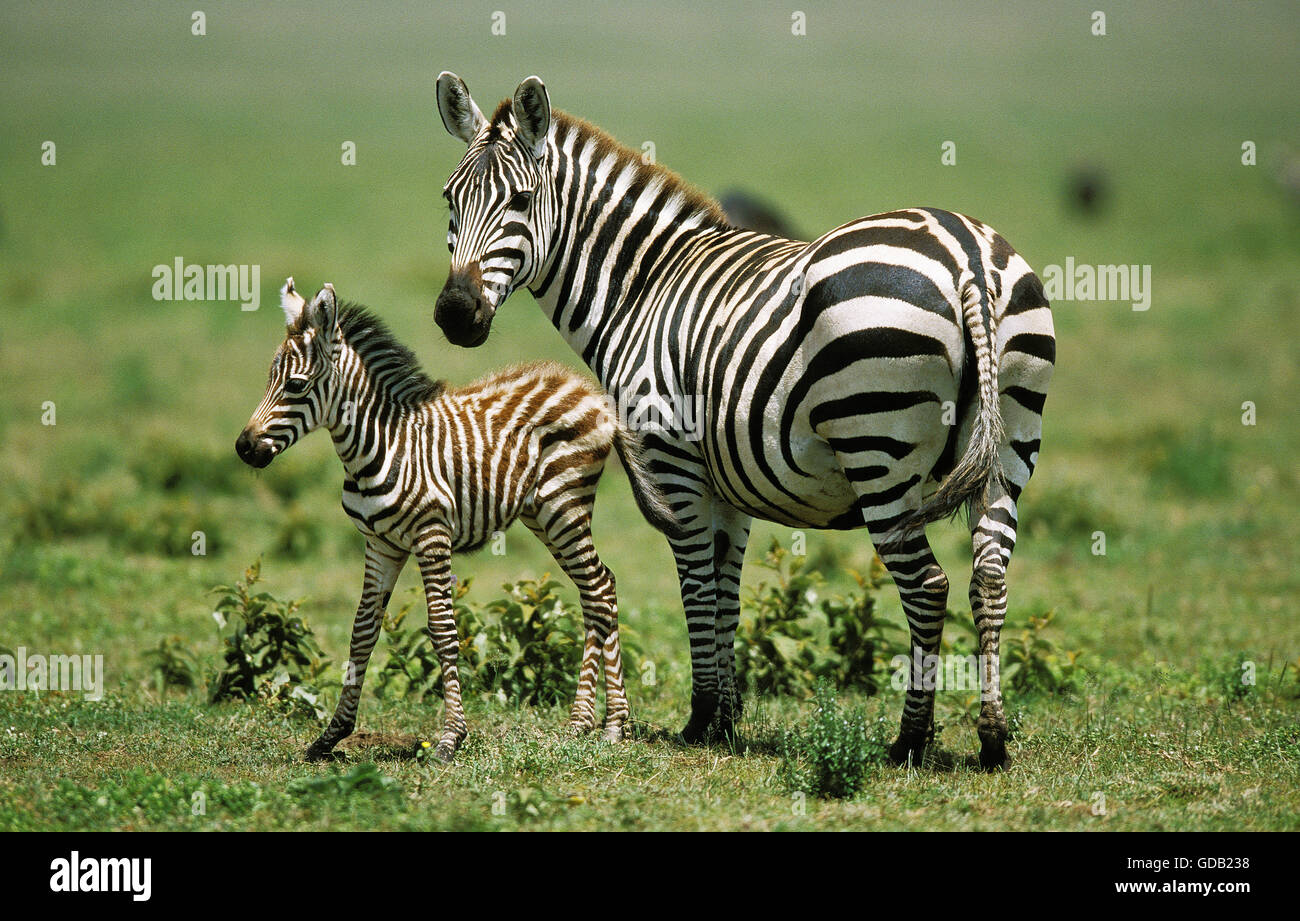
(226, 148)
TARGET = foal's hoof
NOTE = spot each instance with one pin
(445, 752)
(612, 734)
(318, 752)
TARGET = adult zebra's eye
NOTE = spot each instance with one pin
(521, 200)
(296, 385)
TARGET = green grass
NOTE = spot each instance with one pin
(226, 149)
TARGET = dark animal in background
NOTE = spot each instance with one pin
(748, 212)
(1087, 190)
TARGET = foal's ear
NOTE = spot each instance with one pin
(532, 110)
(291, 302)
(323, 312)
(460, 116)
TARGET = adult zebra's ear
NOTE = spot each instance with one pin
(532, 111)
(324, 309)
(291, 302)
(460, 116)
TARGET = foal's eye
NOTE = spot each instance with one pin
(296, 384)
(521, 200)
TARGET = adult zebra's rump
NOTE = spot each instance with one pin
(884, 375)
(429, 470)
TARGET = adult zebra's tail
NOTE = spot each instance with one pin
(649, 499)
(979, 471)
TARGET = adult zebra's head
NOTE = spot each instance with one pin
(300, 383)
(502, 212)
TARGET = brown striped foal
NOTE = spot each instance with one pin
(430, 470)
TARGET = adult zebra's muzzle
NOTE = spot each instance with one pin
(256, 452)
(462, 313)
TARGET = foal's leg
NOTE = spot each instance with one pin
(433, 552)
(383, 565)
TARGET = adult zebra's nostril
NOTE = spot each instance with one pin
(244, 446)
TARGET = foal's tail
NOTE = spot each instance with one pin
(654, 506)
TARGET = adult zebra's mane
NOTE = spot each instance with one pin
(673, 186)
(392, 366)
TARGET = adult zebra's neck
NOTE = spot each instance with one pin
(378, 385)
(621, 222)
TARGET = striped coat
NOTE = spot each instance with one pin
(431, 470)
(885, 375)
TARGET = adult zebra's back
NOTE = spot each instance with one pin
(830, 384)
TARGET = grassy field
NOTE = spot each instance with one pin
(226, 148)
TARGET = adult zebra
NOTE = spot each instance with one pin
(839, 380)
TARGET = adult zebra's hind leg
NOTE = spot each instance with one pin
(923, 588)
(993, 538)
(383, 565)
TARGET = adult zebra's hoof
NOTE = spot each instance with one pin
(908, 749)
(702, 712)
(993, 755)
(693, 733)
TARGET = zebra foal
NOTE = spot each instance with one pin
(430, 470)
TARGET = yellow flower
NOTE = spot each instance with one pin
(425, 744)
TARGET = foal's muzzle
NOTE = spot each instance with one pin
(256, 452)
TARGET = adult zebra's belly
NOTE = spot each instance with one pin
(855, 446)
(819, 495)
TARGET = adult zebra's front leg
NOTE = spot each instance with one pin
(709, 555)
(383, 565)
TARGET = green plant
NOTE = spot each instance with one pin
(269, 652)
(173, 664)
(524, 647)
(789, 637)
(1032, 662)
(829, 754)
(363, 780)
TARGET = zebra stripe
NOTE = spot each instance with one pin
(430, 471)
(886, 375)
